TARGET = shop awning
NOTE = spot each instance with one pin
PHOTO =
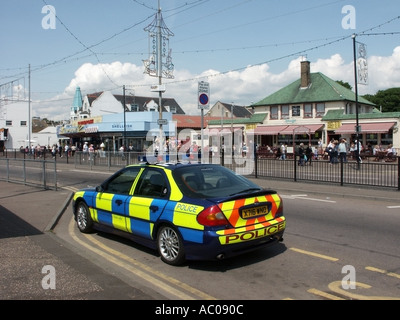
(269, 130)
(218, 131)
(307, 128)
(376, 127)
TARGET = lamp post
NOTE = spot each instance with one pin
(356, 93)
(124, 106)
(232, 135)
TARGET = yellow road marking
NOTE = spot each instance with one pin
(336, 287)
(136, 271)
(315, 254)
(390, 274)
(324, 294)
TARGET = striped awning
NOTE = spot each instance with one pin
(269, 130)
(376, 127)
(307, 128)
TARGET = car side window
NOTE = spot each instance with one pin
(122, 182)
(152, 183)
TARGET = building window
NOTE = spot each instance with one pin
(387, 138)
(23, 123)
(285, 112)
(8, 123)
(274, 113)
(308, 110)
(173, 109)
(135, 107)
(295, 111)
(320, 110)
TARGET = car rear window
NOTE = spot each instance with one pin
(210, 181)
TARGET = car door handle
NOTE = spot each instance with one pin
(118, 202)
(154, 208)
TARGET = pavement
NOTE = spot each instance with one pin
(29, 247)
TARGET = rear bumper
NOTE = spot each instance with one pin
(217, 247)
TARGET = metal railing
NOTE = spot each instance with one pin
(379, 174)
(28, 169)
(40, 173)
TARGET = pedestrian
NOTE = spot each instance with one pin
(309, 154)
(85, 151)
(278, 153)
(301, 154)
(283, 151)
(91, 152)
(357, 150)
(244, 150)
(122, 150)
(320, 148)
(342, 150)
(334, 153)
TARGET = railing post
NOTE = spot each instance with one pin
(341, 170)
(44, 173)
(55, 175)
(8, 169)
(255, 163)
(24, 170)
(398, 173)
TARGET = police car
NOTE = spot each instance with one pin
(184, 211)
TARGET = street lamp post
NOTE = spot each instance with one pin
(356, 93)
(123, 105)
(232, 135)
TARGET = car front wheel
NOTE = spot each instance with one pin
(170, 246)
(83, 219)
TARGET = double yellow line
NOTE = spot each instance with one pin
(156, 278)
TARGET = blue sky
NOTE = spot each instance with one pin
(247, 48)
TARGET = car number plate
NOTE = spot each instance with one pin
(254, 212)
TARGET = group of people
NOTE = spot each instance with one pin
(337, 150)
(306, 154)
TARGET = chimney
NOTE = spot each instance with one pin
(305, 74)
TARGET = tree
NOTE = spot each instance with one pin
(388, 99)
(344, 84)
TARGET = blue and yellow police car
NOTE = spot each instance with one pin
(184, 211)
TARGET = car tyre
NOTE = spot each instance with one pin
(83, 219)
(170, 246)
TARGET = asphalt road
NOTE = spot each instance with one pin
(31, 252)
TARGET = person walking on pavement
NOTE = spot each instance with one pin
(309, 154)
(301, 154)
(283, 152)
(342, 149)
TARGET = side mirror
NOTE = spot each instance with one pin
(99, 188)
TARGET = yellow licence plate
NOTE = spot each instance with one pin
(254, 212)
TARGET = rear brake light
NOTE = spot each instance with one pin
(211, 217)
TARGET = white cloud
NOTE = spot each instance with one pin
(241, 87)
(384, 72)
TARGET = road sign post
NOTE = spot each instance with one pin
(204, 94)
(203, 103)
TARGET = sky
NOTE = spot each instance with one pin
(245, 49)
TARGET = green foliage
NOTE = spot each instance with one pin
(344, 84)
(388, 99)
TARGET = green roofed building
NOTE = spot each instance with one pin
(316, 108)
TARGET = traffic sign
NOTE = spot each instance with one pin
(162, 122)
(204, 95)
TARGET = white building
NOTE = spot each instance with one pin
(14, 125)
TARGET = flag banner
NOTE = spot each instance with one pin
(362, 64)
